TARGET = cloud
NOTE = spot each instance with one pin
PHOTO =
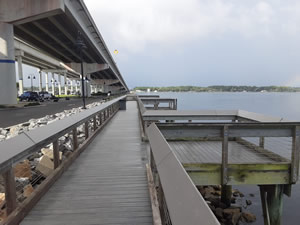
(134, 24)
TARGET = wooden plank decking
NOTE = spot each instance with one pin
(203, 162)
(203, 152)
(107, 184)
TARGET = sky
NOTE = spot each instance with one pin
(202, 42)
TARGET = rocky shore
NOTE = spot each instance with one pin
(235, 214)
(30, 172)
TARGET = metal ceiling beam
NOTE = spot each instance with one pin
(57, 40)
(44, 42)
(54, 71)
(69, 36)
(89, 68)
(106, 81)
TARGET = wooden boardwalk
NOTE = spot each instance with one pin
(107, 184)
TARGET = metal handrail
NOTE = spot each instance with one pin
(171, 130)
(16, 148)
(141, 105)
(156, 101)
(141, 111)
(180, 201)
(240, 115)
(21, 146)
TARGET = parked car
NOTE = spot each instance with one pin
(30, 96)
(45, 95)
(54, 98)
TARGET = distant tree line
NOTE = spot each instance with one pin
(221, 88)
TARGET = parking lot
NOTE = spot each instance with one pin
(9, 117)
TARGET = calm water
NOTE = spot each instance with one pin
(284, 105)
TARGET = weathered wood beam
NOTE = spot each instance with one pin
(224, 155)
(86, 129)
(10, 190)
(56, 159)
(295, 154)
(75, 138)
(210, 174)
(153, 198)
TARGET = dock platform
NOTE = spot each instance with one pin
(107, 184)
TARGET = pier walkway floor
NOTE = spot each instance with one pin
(107, 184)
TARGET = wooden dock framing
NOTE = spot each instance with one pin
(216, 147)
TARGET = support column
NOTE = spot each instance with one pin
(59, 84)
(71, 85)
(103, 88)
(272, 203)
(52, 83)
(41, 81)
(88, 86)
(76, 86)
(226, 192)
(8, 87)
(47, 81)
(66, 87)
(20, 72)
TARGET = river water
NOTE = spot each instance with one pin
(283, 105)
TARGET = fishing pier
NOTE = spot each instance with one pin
(133, 167)
(133, 159)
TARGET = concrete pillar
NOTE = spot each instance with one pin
(88, 89)
(8, 87)
(59, 84)
(20, 73)
(66, 86)
(47, 81)
(76, 86)
(71, 85)
(108, 88)
(41, 81)
(104, 88)
(52, 83)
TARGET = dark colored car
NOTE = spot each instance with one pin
(29, 96)
(54, 98)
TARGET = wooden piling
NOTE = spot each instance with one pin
(226, 192)
(272, 203)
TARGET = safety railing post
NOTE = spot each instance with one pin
(10, 190)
